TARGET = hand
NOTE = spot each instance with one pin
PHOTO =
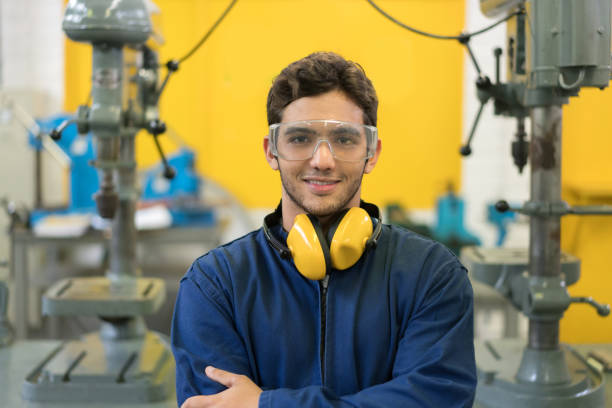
(241, 392)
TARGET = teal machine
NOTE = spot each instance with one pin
(123, 361)
(554, 48)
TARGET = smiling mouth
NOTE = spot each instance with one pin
(321, 186)
(321, 183)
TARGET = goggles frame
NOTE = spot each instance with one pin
(371, 134)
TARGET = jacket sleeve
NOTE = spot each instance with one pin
(434, 364)
(203, 334)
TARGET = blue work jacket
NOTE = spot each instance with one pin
(394, 330)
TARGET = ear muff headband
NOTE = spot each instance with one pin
(374, 213)
(275, 218)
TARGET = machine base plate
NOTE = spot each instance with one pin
(498, 363)
(95, 369)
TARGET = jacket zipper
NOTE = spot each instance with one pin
(323, 286)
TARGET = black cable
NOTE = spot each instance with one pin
(503, 20)
(462, 37)
(173, 64)
(209, 32)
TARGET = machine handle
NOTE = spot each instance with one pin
(560, 209)
(502, 206)
(157, 127)
(602, 309)
(466, 149)
(56, 134)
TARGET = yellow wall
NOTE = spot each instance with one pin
(216, 101)
(587, 180)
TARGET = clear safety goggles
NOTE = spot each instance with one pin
(351, 142)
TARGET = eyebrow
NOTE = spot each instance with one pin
(345, 130)
(298, 129)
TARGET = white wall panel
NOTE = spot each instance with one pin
(489, 173)
(31, 74)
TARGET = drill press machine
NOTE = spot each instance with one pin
(123, 362)
(555, 47)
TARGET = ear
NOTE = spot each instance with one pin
(372, 160)
(272, 160)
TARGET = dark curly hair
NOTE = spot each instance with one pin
(319, 73)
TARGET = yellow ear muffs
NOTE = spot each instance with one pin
(308, 247)
(351, 233)
(350, 238)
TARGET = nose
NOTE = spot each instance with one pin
(322, 157)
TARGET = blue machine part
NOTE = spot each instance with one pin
(182, 192)
(192, 216)
(186, 183)
(501, 221)
(450, 228)
(83, 177)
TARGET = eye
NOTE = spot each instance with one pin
(298, 139)
(345, 140)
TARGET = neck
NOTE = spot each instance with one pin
(291, 210)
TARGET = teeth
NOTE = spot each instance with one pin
(321, 183)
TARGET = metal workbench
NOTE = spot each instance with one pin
(23, 240)
(17, 360)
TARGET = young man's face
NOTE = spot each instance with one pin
(321, 185)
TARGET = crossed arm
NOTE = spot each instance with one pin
(435, 372)
(241, 392)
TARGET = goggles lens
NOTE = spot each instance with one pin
(347, 141)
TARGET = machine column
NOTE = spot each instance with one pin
(545, 230)
(123, 243)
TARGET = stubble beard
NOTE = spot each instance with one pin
(326, 209)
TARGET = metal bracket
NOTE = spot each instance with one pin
(548, 209)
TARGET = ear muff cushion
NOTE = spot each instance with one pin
(306, 248)
(349, 240)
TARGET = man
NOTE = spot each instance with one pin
(394, 329)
